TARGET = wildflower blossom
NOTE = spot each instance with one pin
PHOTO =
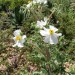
(19, 40)
(50, 35)
(31, 2)
(42, 23)
(40, 1)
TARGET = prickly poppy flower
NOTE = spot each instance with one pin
(50, 35)
(40, 1)
(18, 38)
(32, 2)
(42, 23)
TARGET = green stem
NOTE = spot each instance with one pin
(48, 58)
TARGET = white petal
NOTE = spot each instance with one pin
(17, 32)
(45, 19)
(47, 39)
(45, 29)
(34, 2)
(43, 23)
(23, 38)
(14, 38)
(43, 33)
(53, 39)
(14, 45)
(40, 24)
(57, 34)
(40, 1)
(53, 28)
(45, 1)
(20, 45)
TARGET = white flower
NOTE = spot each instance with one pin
(42, 23)
(40, 1)
(33, 2)
(50, 35)
(19, 40)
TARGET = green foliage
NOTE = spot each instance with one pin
(10, 4)
(34, 59)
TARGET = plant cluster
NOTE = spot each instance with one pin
(37, 37)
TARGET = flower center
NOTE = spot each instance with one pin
(18, 37)
(51, 31)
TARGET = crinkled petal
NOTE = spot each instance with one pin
(20, 44)
(57, 34)
(35, 1)
(17, 32)
(43, 33)
(45, 1)
(47, 39)
(23, 38)
(14, 38)
(44, 23)
(40, 1)
(53, 28)
(45, 29)
(45, 19)
(53, 39)
(16, 42)
(40, 24)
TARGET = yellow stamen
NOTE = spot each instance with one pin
(51, 31)
(18, 37)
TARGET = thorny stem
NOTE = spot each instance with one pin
(51, 13)
(48, 58)
(50, 16)
(47, 52)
